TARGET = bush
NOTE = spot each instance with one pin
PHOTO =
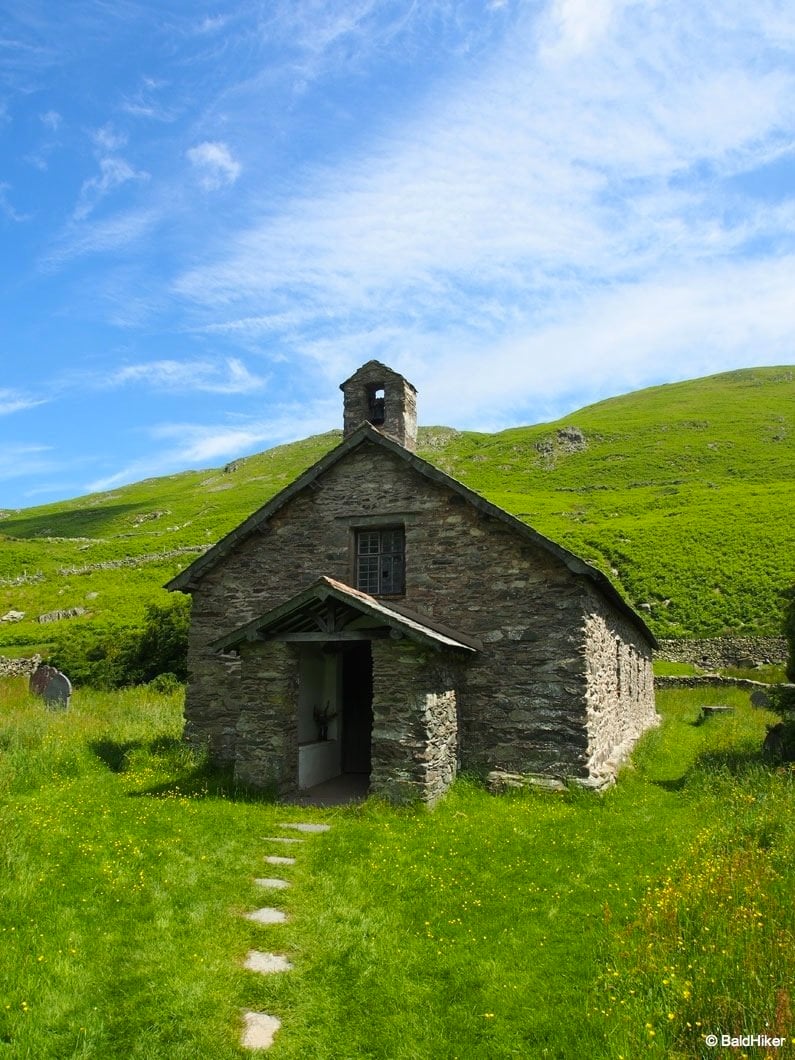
(165, 683)
(782, 701)
(119, 656)
(162, 647)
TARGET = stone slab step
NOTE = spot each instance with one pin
(267, 963)
(305, 827)
(281, 839)
(267, 915)
(270, 881)
(259, 1030)
(277, 859)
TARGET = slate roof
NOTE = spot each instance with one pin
(309, 610)
(367, 434)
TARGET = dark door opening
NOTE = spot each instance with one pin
(357, 707)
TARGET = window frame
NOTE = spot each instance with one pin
(384, 580)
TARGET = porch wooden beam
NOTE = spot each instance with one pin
(351, 634)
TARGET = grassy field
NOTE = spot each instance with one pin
(529, 926)
(679, 493)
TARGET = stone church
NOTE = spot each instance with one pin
(378, 619)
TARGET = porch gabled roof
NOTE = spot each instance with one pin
(329, 610)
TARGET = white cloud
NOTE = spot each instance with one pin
(228, 377)
(106, 139)
(113, 173)
(211, 24)
(20, 461)
(14, 401)
(108, 235)
(214, 163)
(576, 25)
(539, 190)
(8, 209)
(51, 119)
(192, 445)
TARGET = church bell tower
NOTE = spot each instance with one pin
(377, 395)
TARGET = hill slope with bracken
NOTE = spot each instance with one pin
(681, 493)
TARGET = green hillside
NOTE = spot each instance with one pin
(681, 493)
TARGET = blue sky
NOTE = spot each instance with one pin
(211, 215)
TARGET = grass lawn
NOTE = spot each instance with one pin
(528, 926)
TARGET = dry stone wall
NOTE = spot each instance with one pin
(719, 652)
(18, 667)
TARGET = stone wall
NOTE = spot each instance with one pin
(521, 702)
(718, 652)
(18, 667)
(415, 726)
(620, 690)
(711, 681)
(267, 725)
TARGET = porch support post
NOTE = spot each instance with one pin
(267, 728)
(415, 728)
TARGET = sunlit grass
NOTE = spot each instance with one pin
(527, 925)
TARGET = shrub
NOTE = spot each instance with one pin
(115, 657)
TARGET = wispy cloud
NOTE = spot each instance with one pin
(228, 377)
(51, 120)
(20, 461)
(571, 165)
(114, 171)
(192, 445)
(15, 401)
(214, 163)
(211, 24)
(7, 209)
(146, 102)
(90, 236)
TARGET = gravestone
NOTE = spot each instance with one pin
(58, 691)
(54, 687)
(40, 678)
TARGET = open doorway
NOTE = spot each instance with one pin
(357, 707)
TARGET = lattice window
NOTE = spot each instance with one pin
(380, 561)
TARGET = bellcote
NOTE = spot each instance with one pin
(377, 395)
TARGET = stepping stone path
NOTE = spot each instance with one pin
(307, 827)
(268, 915)
(267, 963)
(260, 1028)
